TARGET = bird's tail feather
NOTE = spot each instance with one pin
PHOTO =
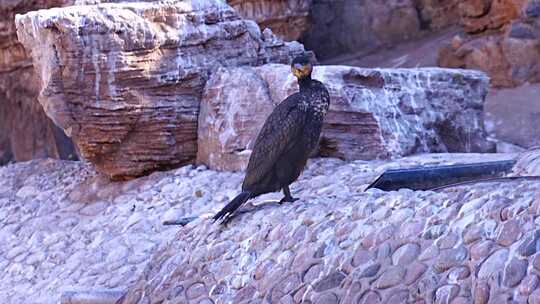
(229, 209)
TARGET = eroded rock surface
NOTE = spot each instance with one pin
(500, 38)
(25, 131)
(374, 113)
(467, 244)
(124, 80)
(288, 19)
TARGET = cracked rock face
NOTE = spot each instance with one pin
(374, 113)
(124, 80)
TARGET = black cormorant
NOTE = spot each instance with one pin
(285, 141)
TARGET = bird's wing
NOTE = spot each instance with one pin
(280, 131)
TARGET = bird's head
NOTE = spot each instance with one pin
(301, 66)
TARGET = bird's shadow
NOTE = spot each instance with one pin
(247, 208)
(251, 208)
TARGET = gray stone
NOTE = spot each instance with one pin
(534, 298)
(450, 258)
(330, 281)
(195, 291)
(481, 293)
(493, 264)
(509, 232)
(482, 249)
(398, 296)
(369, 270)
(326, 298)
(405, 254)
(414, 272)
(445, 294)
(390, 277)
(528, 284)
(529, 245)
(370, 297)
(435, 231)
(458, 273)
(514, 271)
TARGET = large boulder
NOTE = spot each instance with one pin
(374, 113)
(25, 131)
(500, 38)
(288, 19)
(124, 80)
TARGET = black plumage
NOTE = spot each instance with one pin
(287, 138)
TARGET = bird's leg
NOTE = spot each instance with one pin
(287, 197)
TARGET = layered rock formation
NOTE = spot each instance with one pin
(288, 19)
(25, 131)
(374, 113)
(472, 244)
(124, 80)
(500, 38)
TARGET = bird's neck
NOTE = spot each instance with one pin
(304, 83)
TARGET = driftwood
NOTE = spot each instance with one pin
(431, 177)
